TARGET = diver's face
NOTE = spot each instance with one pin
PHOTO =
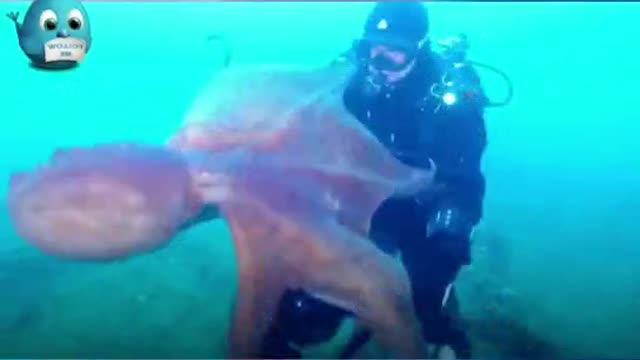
(392, 63)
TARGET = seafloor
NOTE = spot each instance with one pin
(555, 271)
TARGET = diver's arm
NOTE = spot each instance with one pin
(459, 206)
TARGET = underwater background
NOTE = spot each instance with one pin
(556, 267)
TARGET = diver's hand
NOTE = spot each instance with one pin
(442, 352)
(446, 353)
(13, 15)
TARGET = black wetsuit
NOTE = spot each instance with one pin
(433, 235)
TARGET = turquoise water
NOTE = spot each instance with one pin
(556, 254)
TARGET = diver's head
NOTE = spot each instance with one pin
(393, 36)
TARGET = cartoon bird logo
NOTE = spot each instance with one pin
(55, 34)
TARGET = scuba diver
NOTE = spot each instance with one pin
(422, 105)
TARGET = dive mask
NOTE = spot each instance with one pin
(391, 58)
